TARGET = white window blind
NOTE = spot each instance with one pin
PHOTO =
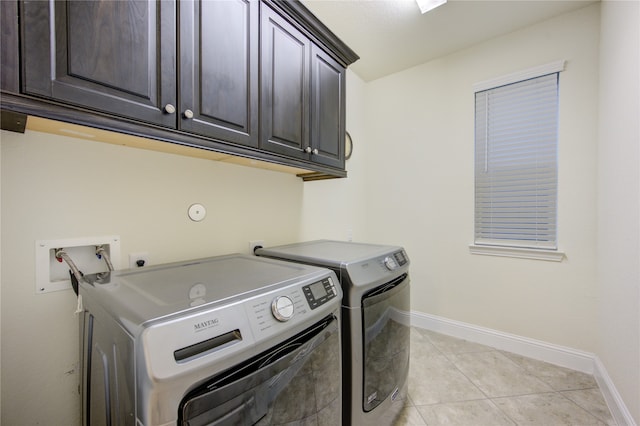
(516, 166)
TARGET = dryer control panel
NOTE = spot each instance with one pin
(395, 260)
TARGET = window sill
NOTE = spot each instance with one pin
(522, 253)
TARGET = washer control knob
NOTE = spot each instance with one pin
(390, 263)
(282, 308)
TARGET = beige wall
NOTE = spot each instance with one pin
(334, 209)
(56, 187)
(420, 126)
(619, 200)
(410, 183)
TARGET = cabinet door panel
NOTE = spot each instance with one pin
(327, 109)
(219, 60)
(285, 87)
(9, 43)
(105, 55)
(101, 52)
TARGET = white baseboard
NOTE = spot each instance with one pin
(616, 405)
(536, 349)
(543, 351)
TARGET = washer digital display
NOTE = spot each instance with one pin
(319, 292)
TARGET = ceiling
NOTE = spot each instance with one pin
(392, 35)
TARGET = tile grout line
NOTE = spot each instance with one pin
(561, 392)
(503, 412)
(488, 398)
(448, 356)
(445, 355)
(584, 408)
(439, 349)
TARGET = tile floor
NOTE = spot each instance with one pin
(456, 382)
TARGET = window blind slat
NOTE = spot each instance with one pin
(516, 164)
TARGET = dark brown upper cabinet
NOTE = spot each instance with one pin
(327, 109)
(258, 79)
(303, 93)
(219, 69)
(113, 56)
(108, 55)
(9, 43)
(286, 69)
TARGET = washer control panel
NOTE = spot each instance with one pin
(268, 313)
(319, 292)
(286, 308)
(282, 308)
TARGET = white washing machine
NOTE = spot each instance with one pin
(230, 340)
(375, 322)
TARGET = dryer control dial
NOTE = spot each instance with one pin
(390, 263)
(282, 308)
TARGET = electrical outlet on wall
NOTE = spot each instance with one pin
(255, 243)
(138, 260)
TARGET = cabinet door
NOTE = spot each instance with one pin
(285, 87)
(9, 42)
(112, 56)
(219, 69)
(327, 109)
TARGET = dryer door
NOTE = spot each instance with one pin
(385, 321)
(299, 379)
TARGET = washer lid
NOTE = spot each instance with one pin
(329, 253)
(156, 291)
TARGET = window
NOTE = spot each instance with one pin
(516, 161)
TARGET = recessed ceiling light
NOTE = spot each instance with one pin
(427, 5)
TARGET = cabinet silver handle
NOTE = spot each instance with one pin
(169, 109)
(188, 114)
(308, 150)
(315, 151)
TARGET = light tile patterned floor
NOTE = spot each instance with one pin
(455, 382)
